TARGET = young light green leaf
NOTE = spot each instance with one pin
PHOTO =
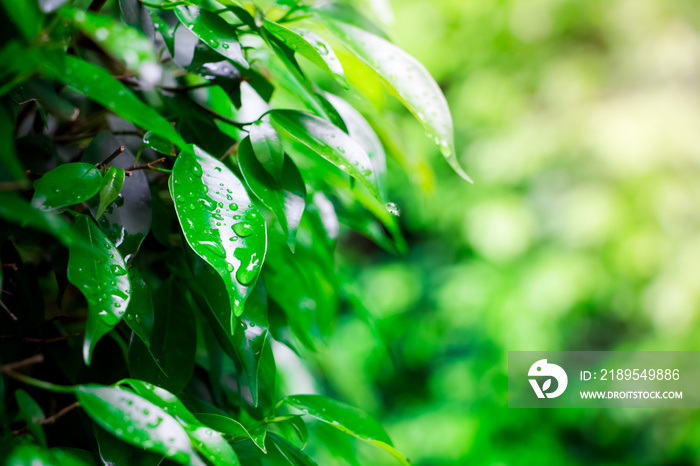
(32, 413)
(213, 31)
(99, 85)
(329, 142)
(230, 426)
(361, 131)
(112, 185)
(267, 146)
(411, 82)
(67, 184)
(346, 418)
(285, 198)
(219, 222)
(209, 442)
(127, 44)
(310, 46)
(100, 274)
(137, 421)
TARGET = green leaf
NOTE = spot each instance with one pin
(158, 144)
(232, 427)
(219, 222)
(213, 31)
(250, 337)
(362, 133)
(10, 166)
(99, 85)
(31, 455)
(169, 359)
(209, 442)
(409, 80)
(329, 142)
(112, 185)
(310, 46)
(127, 44)
(15, 209)
(32, 413)
(140, 316)
(67, 184)
(346, 418)
(114, 452)
(137, 421)
(285, 198)
(267, 146)
(292, 427)
(100, 274)
(284, 452)
(25, 16)
(126, 221)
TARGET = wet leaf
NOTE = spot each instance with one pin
(100, 274)
(158, 144)
(115, 452)
(286, 453)
(31, 455)
(127, 220)
(346, 418)
(267, 145)
(127, 44)
(99, 85)
(230, 426)
(137, 421)
(409, 80)
(284, 196)
(329, 142)
(65, 185)
(219, 222)
(210, 443)
(213, 31)
(112, 185)
(140, 316)
(310, 46)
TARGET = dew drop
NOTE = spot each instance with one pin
(243, 229)
(393, 209)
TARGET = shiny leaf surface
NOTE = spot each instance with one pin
(219, 222)
(310, 46)
(346, 418)
(111, 186)
(210, 443)
(267, 145)
(67, 184)
(213, 31)
(411, 82)
(285, 198)
(329, 142)
(100, 275)
(137, 421)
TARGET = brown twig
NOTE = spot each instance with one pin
(112, 156)
(10, 367)
(9, 312)
(185, 88)
(145, 166)
(50, 419)
(45, 340)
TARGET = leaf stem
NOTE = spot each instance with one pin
(9, 370)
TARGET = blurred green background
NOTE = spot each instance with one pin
(580, 123)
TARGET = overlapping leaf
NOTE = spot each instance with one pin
(99, 272)
(68, 184)
(219, 222)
